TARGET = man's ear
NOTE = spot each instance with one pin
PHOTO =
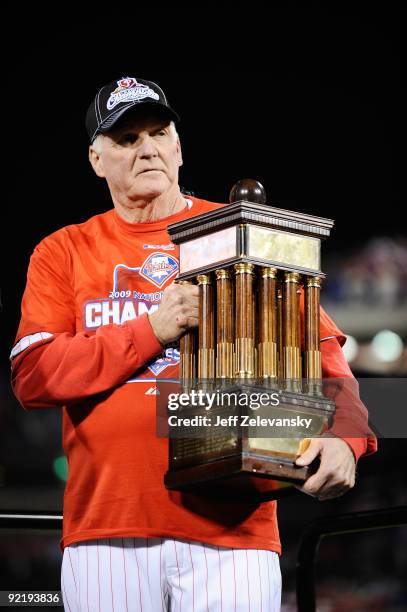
(96, 162)
(179, 153)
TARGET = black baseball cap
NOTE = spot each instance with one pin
(116, 98)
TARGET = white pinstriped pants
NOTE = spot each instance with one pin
(156, 574)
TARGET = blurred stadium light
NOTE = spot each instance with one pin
(351, 348)
(387, 346)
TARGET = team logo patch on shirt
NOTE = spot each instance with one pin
(158, 268)
(128, 90)
(172, 357)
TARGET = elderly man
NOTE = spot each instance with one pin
(99, 311)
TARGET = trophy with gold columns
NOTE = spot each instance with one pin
(259, 277)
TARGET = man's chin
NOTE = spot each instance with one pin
(149, 194)
(151, 184)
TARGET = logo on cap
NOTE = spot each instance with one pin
(128, 90)
(127, 82)
(158, 268)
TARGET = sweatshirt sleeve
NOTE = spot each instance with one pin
(351, 416)
(52, 364)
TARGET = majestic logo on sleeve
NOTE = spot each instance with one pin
(129, 90)
(158, 268)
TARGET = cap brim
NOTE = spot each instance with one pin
(155, 107)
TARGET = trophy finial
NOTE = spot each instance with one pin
(248, 189)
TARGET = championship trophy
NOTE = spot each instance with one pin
(254, 265)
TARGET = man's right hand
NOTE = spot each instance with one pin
(178, 312)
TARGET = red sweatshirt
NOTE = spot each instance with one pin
(85, 343)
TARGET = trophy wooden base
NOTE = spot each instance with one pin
(240, 477)
(237, 461)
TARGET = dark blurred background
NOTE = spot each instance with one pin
(309, 105)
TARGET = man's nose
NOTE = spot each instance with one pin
(147, 147)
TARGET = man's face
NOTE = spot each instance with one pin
(140, 158)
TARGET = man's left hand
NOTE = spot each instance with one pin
(337, 470)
